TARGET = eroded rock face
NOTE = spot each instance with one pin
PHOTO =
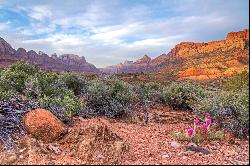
(5, 48)
(144, 59)
(129, 66)
(43, 125)
(21, 53)
(196, 61)
(233, 40)
(66, 62)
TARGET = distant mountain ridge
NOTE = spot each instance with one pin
(65, 62)
(197, 61)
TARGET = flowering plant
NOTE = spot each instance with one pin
(202, 130)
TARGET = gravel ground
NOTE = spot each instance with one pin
(150, 143)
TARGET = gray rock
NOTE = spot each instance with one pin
(198, 149)
(192, 144)
(175, 144)
(242, 163)
(54, 148)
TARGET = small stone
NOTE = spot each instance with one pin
(229, 153)
(54, 148)
(180, 154)
(21, 157)
(165, 156)
(242, 163)
(213, 148)
(100, 156)
(81, 118)
(192, 144)
(175, 144)
(22, 150)
(184, 157)
(51, 163)
(198, 149)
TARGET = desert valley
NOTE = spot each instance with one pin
(187, 105)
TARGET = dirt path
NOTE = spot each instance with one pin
(147, 144)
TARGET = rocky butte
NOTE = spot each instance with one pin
(65, 62)
(197, 61)
(139, 65)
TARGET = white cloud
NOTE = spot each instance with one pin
(39, 12)
(3, 26)
(165, 41)
(36, 29)
(59, 40)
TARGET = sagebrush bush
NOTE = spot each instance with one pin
(7, 94)
(32, 87)
(229, 108)
(181, 95)
(237, 82)
(150, 91)
(64, 108)
(74, 82)
(24, 67)
(14, 78)
(112, 98)
(54, 92)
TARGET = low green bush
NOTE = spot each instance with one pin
(24, 67)
(230, 108)
(237, 82)
(64, 108)
(181, 95)
(7, 94)
(14, 77)
(74, 82)
(112, 97)
(13, 80)
(150, 91)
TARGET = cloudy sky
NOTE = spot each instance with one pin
(107, 32)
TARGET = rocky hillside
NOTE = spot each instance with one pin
(197, 61)
(140, 65)
(66, 62)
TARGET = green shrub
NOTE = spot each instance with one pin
(181, 95)
(32, 87)
(7, 94)
(14, 78)
(64, 108)
(229, 108)
(24, 67)
(73, 82)
(150, 91)
(237, 82)
(111, 98)
(238, 105)
(218, 135)
(51, 85)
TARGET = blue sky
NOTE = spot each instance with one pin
(108, 32)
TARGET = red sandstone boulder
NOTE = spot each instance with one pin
(43, 125)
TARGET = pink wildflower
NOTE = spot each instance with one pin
(196, 121)
(190, 131)
(207, 114)
(209, 122)
(204, 126)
